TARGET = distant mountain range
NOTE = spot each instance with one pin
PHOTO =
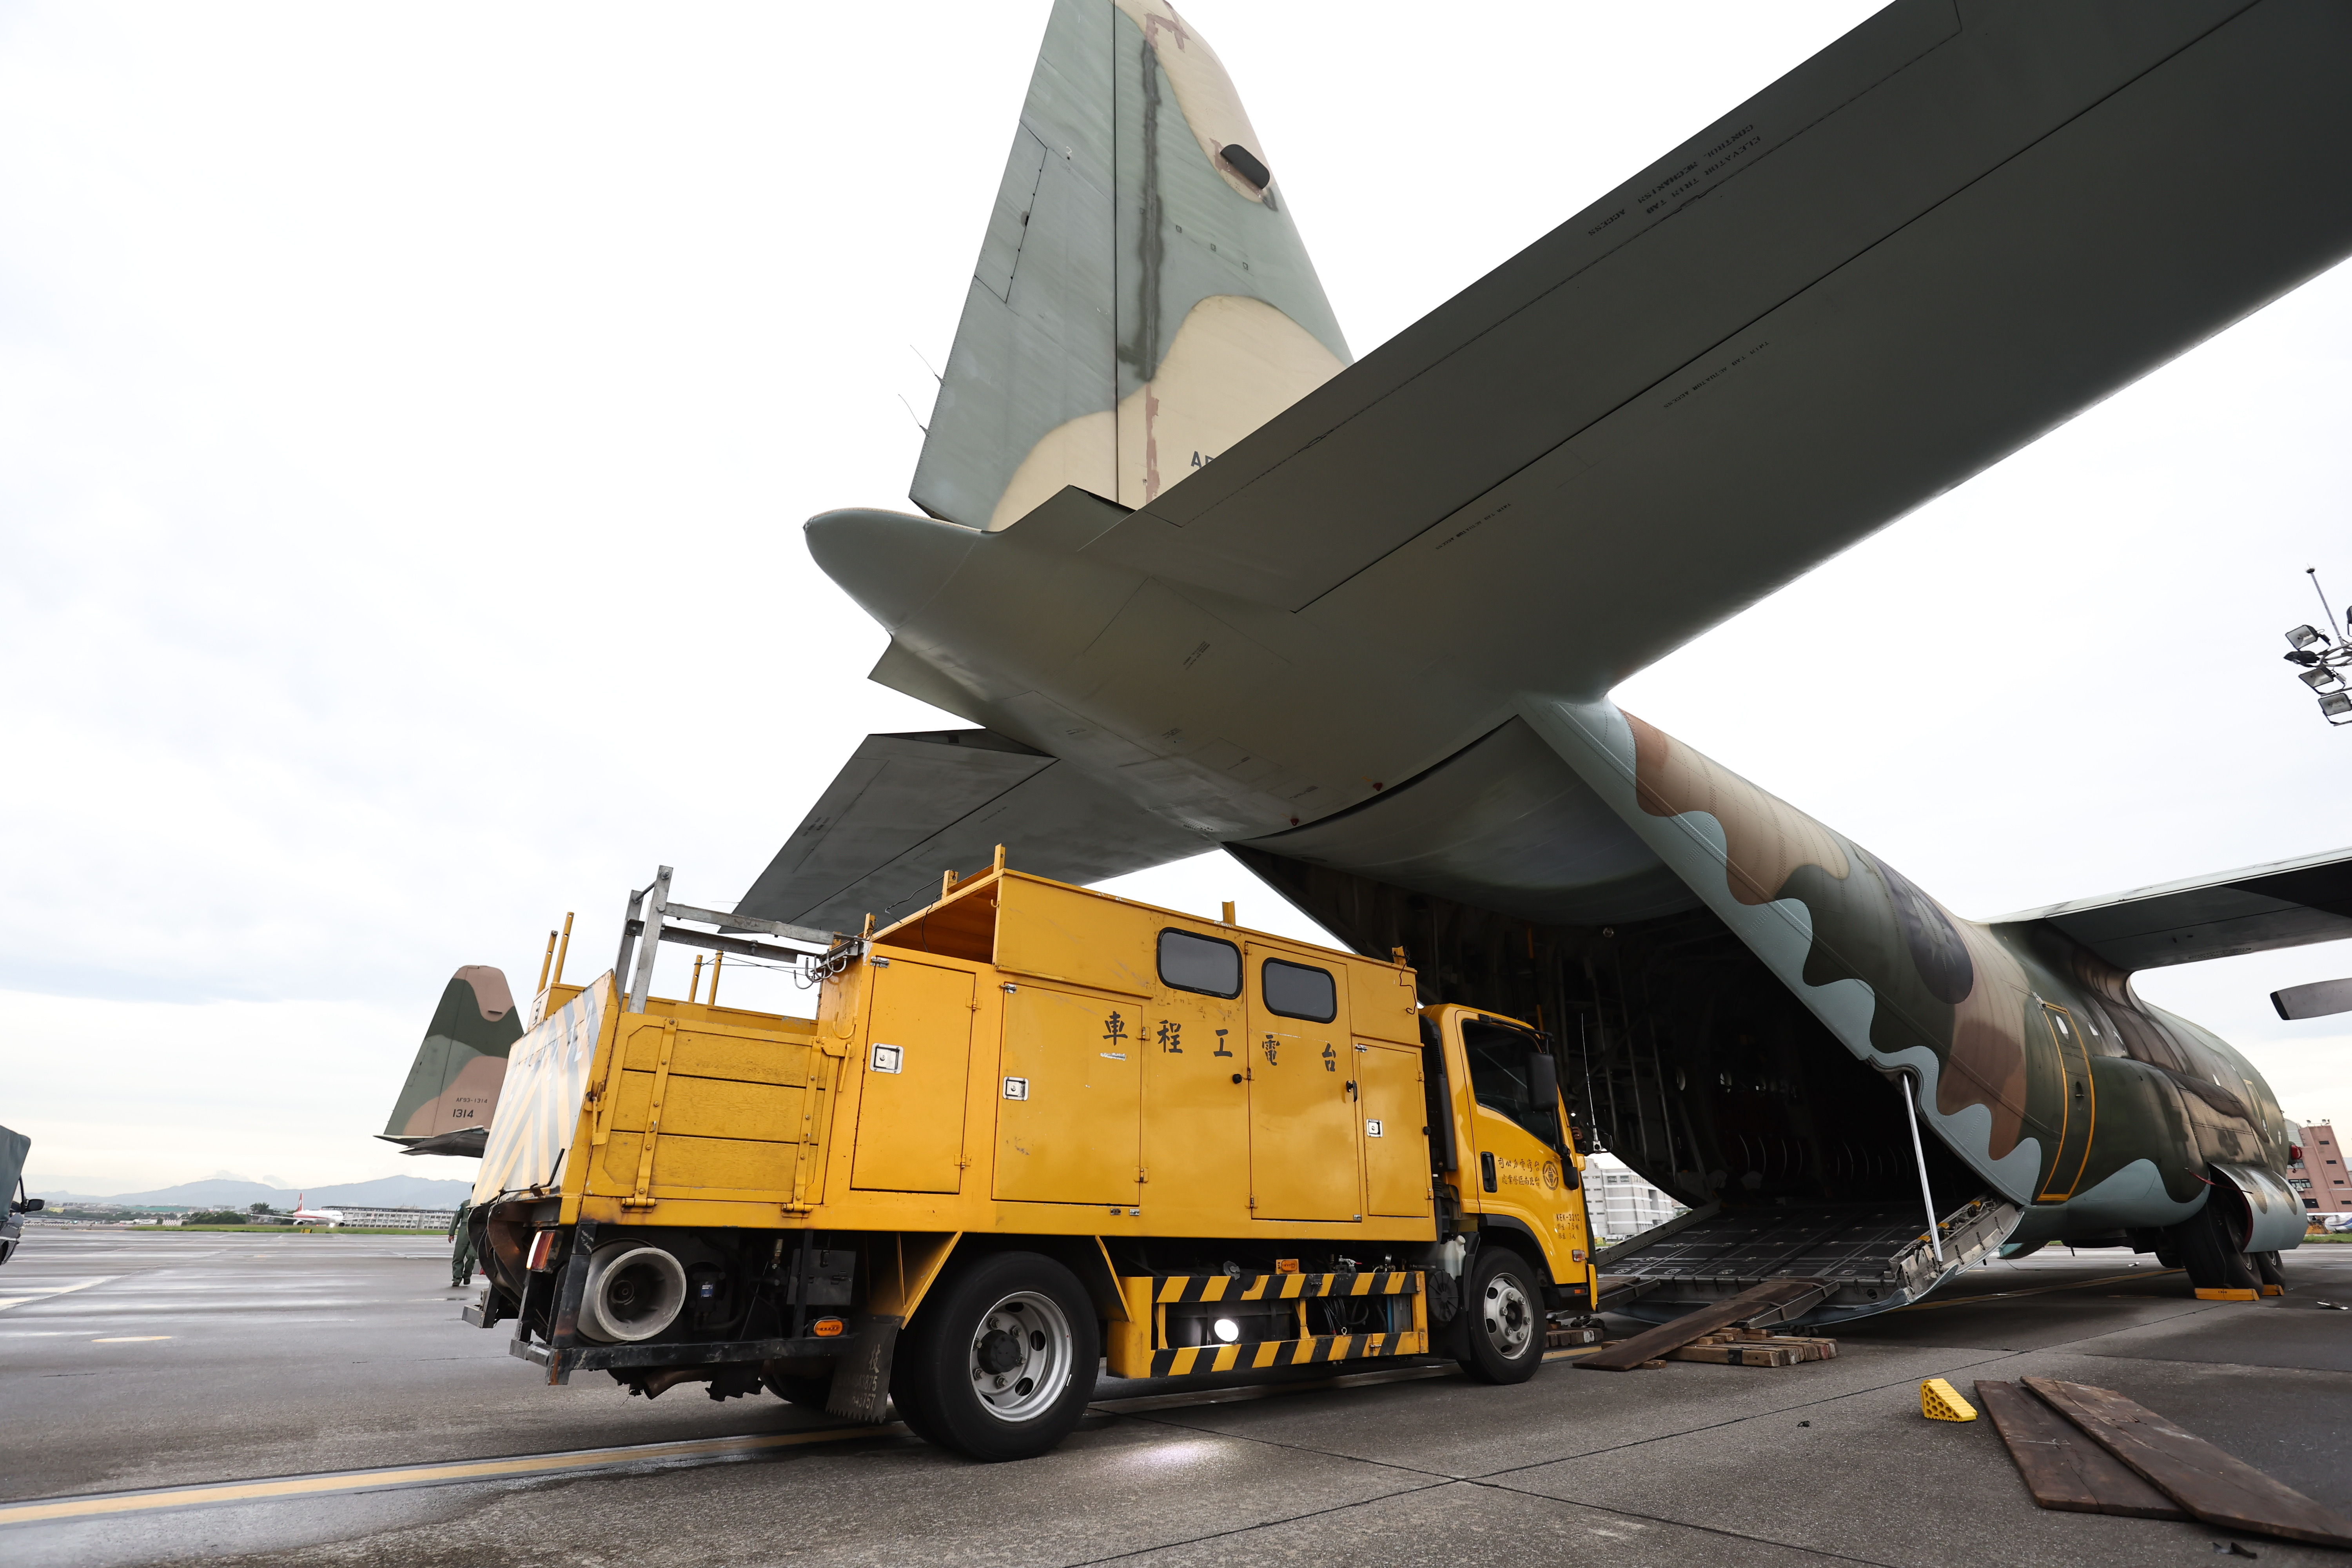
(384, 1192)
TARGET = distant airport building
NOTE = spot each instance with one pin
(2319, 1177)
(395, 1220)
(1619, 1205)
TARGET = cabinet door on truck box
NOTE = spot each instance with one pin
(1395, 1118)
(1195, 1100)
(1068, 1109)
(1302, 1081)
(918, 1063)
(730, 1100)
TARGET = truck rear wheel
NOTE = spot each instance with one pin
(1000, 1361)
(1504, 1304)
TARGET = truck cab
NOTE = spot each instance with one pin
(1507, 1145)
(1031, 1129)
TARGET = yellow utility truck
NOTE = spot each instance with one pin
(1032, 1130)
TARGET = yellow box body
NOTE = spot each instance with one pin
(1010, 1061)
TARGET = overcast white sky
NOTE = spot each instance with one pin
(406, 416)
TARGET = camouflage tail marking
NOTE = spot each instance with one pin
(1141, 300)
(454, 1083)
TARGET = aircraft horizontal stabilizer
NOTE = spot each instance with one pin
(1931, 271)
(2320, 999)
(906, 807)
(466, 1143)
(2286, 904)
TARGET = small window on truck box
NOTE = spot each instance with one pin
(1202, 963)
(1298, 990)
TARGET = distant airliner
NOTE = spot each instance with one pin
(307, 1215)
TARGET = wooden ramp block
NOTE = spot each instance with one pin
(1743, 1348)
(2063, 1467)
(1757, 1299)
(2209, 1483)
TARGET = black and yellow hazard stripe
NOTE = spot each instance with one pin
(1169, 1289)
(1284, 1352)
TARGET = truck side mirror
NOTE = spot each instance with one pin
(32, 1205)
(1543, 1080)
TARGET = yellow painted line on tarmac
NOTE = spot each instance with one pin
(279, 1487)
(2038, 1291)
(109, 1503)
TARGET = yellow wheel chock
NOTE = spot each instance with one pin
(1939, 1401)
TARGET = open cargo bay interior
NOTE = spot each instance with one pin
(1687, 1058)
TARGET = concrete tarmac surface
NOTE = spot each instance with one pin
(233, 1386)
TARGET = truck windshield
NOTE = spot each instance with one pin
(1498, 1077)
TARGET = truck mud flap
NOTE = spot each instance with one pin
(861, 1378)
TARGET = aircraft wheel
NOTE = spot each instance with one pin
(2208, 1244)
(2266, 1264)
(1504, 1304)
(1000, 1362)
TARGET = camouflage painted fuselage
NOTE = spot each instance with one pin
(2038, 1064)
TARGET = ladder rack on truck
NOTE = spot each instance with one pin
(1032, 1128)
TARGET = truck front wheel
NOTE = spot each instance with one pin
(1000, 1361)
(1504, 1308)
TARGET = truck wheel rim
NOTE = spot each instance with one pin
(1020, 1356)
(1509, 1320)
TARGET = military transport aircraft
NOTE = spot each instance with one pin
(1368, 648)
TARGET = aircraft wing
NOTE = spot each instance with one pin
(1943, 234)
(2285, 904)
(906, 807)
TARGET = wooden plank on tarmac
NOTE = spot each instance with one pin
(1627, 1354)
(2193, 1473)
(2063, 1467)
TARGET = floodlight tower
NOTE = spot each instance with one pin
(2324, 656)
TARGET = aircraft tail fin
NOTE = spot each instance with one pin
(1142, 299)
(454, 1083)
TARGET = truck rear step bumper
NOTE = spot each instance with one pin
(808, 1354)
